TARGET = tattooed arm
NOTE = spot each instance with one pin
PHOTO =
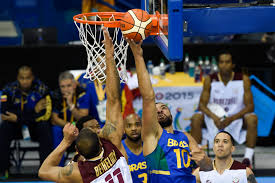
(113, 128)
(50, 170)
(250, 176)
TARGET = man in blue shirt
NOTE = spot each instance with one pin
(25, 102)
(70, 103)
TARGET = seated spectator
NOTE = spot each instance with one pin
(225, 168)
(231, 91)
(70, 103)
(27, 103)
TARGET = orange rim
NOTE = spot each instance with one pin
(80, 18)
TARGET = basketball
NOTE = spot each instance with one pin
(136, 24)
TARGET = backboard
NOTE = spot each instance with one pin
(187, 18)
(170, 38)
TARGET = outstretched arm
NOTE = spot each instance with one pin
(198, 154)
(151, 130)
(50, 170)
(113, 128)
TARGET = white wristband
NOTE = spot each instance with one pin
(72, 107)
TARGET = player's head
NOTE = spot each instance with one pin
(88, 122)
(88, 144)
(223, 145)
(133, 127)
(165, 118)
(67, 83)
(25, 77)
(225, 62)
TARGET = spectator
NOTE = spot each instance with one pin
(225, 168)
(70, 103)
(27, 102)
(231, 91)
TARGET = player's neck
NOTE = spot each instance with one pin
(225, 78)
(169, 129)
(222, 164)
(134, 146)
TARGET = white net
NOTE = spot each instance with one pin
(91, 37)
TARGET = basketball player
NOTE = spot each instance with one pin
(226, 170)
(133, 147)
(84, 122)
(232, 92)
(88, 122)
(168, 153)
(104, 153)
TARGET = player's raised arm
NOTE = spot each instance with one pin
(151, 129)
(50, 170)
(113, 128)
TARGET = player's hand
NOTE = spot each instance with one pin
(40, 105)
(227, 121)
(9, 116)
(70, 133)
(108, 43)
(135, 47)
(198, 155)
(69, 98)
(218, 122)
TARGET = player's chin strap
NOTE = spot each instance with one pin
(97, 157)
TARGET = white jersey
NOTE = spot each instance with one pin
(235, 174)
(119, 173)
(228, 176)
(230, 98)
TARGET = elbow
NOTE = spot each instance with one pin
(42, 174)
(149, 96)
(250, 108)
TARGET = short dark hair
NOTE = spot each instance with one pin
(82, 120)
(87, 143)
(227, 51)
(231, 138)
(25, 68)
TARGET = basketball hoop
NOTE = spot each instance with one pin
(90, 30)
(91, 35)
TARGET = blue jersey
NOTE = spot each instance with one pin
(137, 165)
(170, 161)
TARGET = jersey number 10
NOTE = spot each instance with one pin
(180, 158)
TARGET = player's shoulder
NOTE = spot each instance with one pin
(80, 91)
(12, 86)
(237, 165)
(239, 76)
(213, 77)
